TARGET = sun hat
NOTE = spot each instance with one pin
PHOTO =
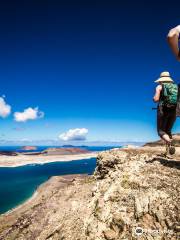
(164, 77)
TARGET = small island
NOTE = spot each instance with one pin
(64, 151)
(29, 148)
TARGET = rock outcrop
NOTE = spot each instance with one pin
(133, 194)
(137, 194)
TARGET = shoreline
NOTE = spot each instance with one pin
(23, 203)
(71, 206)
(22, 160)
(39, 191)
(65, 187)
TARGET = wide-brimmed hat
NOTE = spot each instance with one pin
(164, 77)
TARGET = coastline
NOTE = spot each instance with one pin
(24, 203)
(73, 206)
(22, 160)
(72, 191)
(44, 187)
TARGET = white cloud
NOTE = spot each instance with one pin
(5, 109)
(28, 114)
(74, 134)
(24, 140)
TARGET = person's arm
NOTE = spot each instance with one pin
(173, 40)
(157, 93)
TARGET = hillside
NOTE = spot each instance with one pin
(133, 194)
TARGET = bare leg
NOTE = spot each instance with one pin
(166, 138)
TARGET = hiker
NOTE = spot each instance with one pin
(166, 96)
(173, 40)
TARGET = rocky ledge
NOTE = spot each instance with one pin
(137, 194)
(133, 194)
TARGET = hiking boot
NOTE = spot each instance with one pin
(172, 149)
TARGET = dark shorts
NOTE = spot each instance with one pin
(165, 121)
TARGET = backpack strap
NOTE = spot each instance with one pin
(161, 99)
(178, 96)
(178, 102)
(162, 93)
(164, 90)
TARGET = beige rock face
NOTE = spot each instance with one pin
(134, 194)
(136, 197)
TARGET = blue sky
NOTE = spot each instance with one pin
(85, 64)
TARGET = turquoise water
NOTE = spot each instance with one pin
(19, 183)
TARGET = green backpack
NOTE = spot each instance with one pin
(170, 94)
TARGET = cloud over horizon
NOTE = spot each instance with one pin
(5, 109)
(77, 134)
(28, 114)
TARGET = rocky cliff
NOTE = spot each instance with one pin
(136, 195)
(133, 194)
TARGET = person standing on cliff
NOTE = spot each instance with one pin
(173, 38)
(166, 95)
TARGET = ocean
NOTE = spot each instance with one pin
(17, 184)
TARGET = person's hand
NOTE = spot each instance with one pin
(173, 40)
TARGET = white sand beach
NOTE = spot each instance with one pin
(21, 160)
